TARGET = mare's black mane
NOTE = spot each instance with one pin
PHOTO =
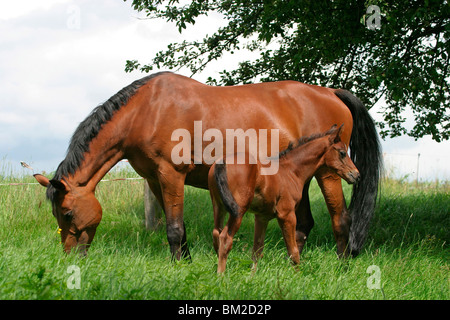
(89, 129)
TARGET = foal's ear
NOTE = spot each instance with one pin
(43, 181)
(335, 137)
(340, 130)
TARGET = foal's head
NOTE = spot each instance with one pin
(337, 159)
(77, 211)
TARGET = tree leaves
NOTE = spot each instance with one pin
(326, 43)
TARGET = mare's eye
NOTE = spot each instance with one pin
(68, 215)
(343, 154)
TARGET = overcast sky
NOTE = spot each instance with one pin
(59, 59)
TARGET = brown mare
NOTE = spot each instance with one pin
(238, 187)
(137, 124)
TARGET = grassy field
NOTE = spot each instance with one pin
(407, 250)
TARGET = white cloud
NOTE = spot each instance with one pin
(53, 71)
(59, 59)
(15, 9)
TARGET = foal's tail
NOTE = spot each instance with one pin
(365, 152)
(220, 175)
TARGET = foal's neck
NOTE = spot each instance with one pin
(304, 160)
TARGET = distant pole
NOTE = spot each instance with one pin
(153, 211)
(418, 161)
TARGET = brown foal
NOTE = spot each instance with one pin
(237, 188)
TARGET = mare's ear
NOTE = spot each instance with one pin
(58, 185)
(43, 181)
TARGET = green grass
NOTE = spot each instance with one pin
(408, 241)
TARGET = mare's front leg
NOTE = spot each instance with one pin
(172, 190)
(331, 187)
(287, 221)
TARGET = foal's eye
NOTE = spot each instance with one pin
(343, 154)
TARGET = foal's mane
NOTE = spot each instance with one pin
(304, 140)
(90, 127)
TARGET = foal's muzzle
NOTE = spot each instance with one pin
(353, 176)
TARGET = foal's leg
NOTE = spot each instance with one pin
(258, 243)
(226, 241)
(287, 222)
(218, 208)
(219, 215)
(331, 187)
(305, 221)
(172, 188)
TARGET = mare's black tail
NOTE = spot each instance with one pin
(365, 152)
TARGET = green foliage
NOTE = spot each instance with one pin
(409, 241)
(405, 60)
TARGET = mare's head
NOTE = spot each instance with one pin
(77, 211)
(336, 157)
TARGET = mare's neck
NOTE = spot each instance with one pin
(105, 150)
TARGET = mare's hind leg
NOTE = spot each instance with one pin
(305, 221)
(172, 190)
(258, 243)
(331, 187)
